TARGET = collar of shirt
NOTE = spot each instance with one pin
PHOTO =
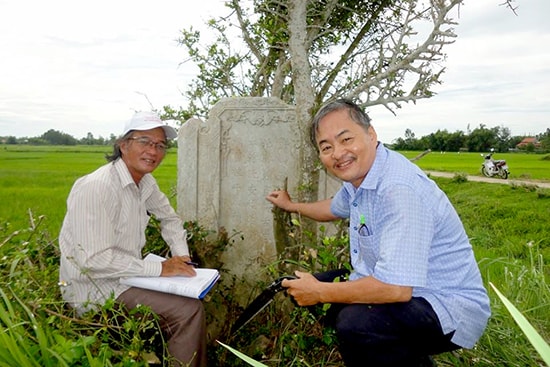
(373, 177)
(126, 179)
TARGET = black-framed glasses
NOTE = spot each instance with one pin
(145, 142)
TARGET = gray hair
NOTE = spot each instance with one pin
(355, 113)
(117, 153)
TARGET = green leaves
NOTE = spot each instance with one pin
(243, 356)
(534, 337)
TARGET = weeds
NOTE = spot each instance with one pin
(510, 236)
(460, 177)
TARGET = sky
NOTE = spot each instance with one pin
(85, 67)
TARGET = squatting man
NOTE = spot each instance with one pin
(415, 289)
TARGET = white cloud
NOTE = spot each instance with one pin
(498, 72)
(85, 66)
(82, 67)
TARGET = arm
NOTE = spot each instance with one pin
(173, 233)
(92, 210)
(319, 210)
(309, 291)
(171, 225)
(89, 235)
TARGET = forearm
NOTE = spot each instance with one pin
(319, 211)
(171, 225)
(114, 264)
(175, 236)
(364, 290)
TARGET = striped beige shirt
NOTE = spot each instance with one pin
(103, 234)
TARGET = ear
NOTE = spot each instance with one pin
(123, 146)
(372, 134)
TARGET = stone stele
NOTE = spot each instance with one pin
(227, 165)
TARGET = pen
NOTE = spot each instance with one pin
(192, 263)
(363, 228)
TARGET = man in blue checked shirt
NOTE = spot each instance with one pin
(415, 289)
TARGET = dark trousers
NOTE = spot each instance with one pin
(401, 334)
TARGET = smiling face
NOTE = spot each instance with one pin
(141, 152)
(346, 149)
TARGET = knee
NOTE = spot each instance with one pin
(346, 325)
(361, 322)
(196, 308)
(182, 309)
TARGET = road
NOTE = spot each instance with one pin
(492, 180)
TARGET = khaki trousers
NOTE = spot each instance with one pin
(182, 321)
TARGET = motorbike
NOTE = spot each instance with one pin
(492, 168)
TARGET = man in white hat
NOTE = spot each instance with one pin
(103, 234)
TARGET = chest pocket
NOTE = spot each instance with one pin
(368, 254)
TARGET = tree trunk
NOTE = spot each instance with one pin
(305, 99)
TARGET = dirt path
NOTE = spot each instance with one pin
(492, 180)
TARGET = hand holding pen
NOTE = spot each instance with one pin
(178, 265)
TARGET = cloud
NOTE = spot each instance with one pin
(86, 66)
(498, 72)
(82, 67)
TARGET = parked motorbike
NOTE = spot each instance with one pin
(492, 168)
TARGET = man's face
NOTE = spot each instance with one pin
(141, 152)
(345, 148)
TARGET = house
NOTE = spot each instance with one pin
(526, 141)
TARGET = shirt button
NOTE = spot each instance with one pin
(354, 251)
(354, 204)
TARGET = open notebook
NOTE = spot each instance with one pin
(193, 287)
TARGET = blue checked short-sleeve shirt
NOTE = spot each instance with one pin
(404, 231)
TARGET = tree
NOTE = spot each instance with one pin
(383, 52)
(510, 5)
(406, 144)
(503, 136)
(544, 139)
(457, 140)
(88, 140)
(410, 142)
(55, 137)
(481, 139)
(446, 141)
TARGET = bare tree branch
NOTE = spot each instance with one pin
(509, 5)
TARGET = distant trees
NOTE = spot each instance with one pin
(480, 139)
(54, 137)
(90, 140)
(544, 139)
(445, 141)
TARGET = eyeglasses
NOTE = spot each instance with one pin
(145, 142)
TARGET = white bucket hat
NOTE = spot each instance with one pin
(147, 121)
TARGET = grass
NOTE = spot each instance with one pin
(39, 178)
(508, 227)
(522, 166)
